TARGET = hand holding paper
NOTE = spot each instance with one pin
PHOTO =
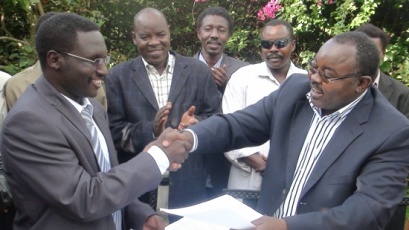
(225, 212)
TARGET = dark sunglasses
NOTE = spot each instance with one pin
(281, 43)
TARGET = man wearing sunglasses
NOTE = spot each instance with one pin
(251, 83)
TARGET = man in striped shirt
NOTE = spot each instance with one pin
(338, 149)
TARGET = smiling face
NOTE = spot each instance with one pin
(336, 60)
(82, 78)
(213, 34)
(277, 58)
(152, 37)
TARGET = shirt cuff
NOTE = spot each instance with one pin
(160, 158)
(195, 141)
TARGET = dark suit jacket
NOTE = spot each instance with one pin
(217, 164)
(54, 175)
(132, 107)
(232, 64)
(396, 92)
(358, 180)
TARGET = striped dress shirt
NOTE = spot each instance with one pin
(322, 129)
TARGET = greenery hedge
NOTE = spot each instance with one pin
(314, 22)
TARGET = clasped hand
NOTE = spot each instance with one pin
(175, 145)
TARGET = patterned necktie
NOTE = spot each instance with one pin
(103, 163)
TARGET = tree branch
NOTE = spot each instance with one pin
(3, 27)
(13, 39)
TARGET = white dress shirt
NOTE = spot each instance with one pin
(246, 86)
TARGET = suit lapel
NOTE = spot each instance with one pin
(385, 86)
(100, 119)
(346, 133)
(225, 60)
(299, 129)
(179, 78)
(66, 110)
(141, 80)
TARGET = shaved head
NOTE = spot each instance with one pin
(148, 14)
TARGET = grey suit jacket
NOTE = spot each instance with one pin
(54, 175)
(232, 64)
(396, 92)
(358, 180)
(132, 107)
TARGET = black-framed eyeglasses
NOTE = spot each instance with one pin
(96, 62)
(280, 43)
(313, 69)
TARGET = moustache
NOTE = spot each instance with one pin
(214, 41)
(314, 85)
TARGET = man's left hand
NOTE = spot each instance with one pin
(220, 76)
(188, 118)
(155, 222)
(270, 223)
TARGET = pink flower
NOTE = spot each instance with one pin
(269, 10)
(331, 2)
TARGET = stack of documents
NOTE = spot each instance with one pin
(222, 213)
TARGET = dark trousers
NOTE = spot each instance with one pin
(6, 218)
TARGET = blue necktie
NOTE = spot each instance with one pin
(103, 163)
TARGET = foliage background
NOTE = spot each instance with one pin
(314, 21)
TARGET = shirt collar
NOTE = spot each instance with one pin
(78, 107)
(218, 63)
(376, 82)
(266, 72)
(342, 112)
(170, 66)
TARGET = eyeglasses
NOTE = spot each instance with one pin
(97, 62)
(313, 69)
(281, 43)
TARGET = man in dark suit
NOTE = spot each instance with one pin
(159, 89)
(395, 91)
(338, 150)
(62, 168)
(214, 27)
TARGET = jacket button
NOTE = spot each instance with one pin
(284, 191)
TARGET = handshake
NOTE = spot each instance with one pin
(175, 144)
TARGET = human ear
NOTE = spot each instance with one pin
(364, 82)
(293, 45)
(134, 38)
(54, 60)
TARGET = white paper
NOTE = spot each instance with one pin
(191, 224)
(224, 211)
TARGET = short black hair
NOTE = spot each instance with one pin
(276, 22)
(219, 11)
(59, 33)
(366, 56)
(375, 32)
(44, 17)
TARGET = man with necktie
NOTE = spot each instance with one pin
(59, 157)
